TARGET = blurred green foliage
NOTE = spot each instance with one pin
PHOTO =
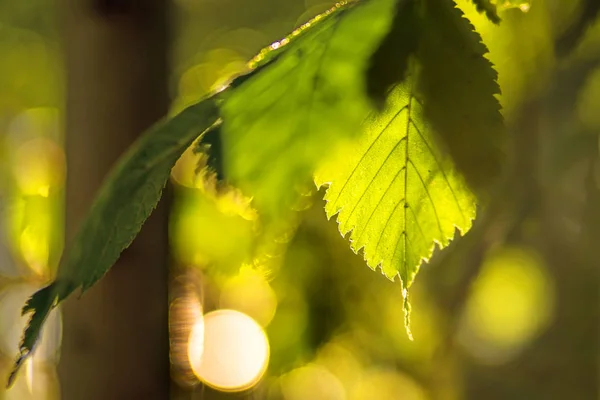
(32, 175)
(500, 318)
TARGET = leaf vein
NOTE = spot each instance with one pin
(437, 218)
(380, 201)
(387, 223)
(366, 153)
(441, 169)
(375, 176)
(417, 222)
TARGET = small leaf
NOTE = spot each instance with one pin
(279, 122)
(124, 202)
(395, 192)
(389, 64)
(489, 8)
(459, 86)
(40, 305)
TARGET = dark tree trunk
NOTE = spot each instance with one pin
(115, 341)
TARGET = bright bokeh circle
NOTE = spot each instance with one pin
(228, 350)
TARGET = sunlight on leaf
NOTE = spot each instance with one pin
(280, 122)
(395, 192)
(457, 83)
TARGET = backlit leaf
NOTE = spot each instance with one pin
(457, 83)
(394, 191)
(280, 122)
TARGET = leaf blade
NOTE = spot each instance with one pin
(459, 87)
(125, 200)
(379, 183)
(298, 107)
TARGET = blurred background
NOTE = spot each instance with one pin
(502, 318)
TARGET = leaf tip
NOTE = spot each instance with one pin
(40, 305)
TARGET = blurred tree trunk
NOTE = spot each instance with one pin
(115, 341)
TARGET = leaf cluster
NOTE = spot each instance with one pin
(391, 104)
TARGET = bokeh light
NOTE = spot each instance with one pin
(34, 246)
(228, 350)
(341, 361)
(33, 234)
(39, 165)
(194, 245)
(386, 385)
(287, 330)
(250, 293)
(311, 382)
(185, 311)
(38, 382)
(511, 303)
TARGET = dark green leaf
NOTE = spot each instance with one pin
(489, 8)
(211, 145)
(124, 202)
(459, 85)
(389, 64)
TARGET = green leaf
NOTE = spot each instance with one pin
(125, 200)
(279, 123)
(489, 8)
(394, 191)
(459, 87)
(389, 63)
(525, 62)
